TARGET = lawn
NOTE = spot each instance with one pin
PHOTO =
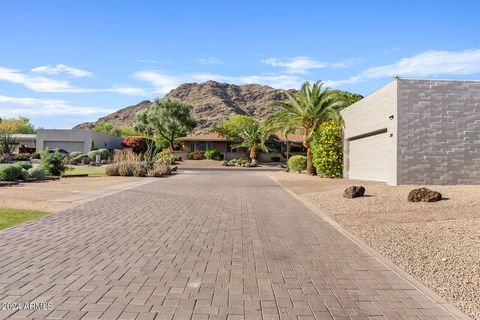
(91, 171)
(11, 217)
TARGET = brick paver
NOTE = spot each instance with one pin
(199, 246)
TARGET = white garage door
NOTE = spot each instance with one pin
(370, 158)
(66, 145)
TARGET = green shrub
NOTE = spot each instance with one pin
(297, 163)
(24, 165)
(80, 156)
(21, 157)
(10, 172)
(212, 153)
(74, 154)
(165, 157)
(52, 163)
(239, 162)
(36, 173)
(35, 155)
(327, 150)
(104, 154)
(24, 175)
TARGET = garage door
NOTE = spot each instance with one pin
(370, 158)
(66, 145)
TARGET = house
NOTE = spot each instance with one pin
(415, 131)
(204, 141)
(69, 140)
(24, 142)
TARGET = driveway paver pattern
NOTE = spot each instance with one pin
(205, 245)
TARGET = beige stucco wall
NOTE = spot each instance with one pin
(106, 141)
(371, 115)
(53, 135)
(20, 142)
(88, 138)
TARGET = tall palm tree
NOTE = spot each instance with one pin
(253, 137)
(307, 110)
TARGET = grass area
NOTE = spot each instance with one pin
(91, 171)
(11, 217)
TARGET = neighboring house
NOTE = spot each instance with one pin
(204, 141)
(415, 131)
(69, 140)
(201, 142)
(24, 142)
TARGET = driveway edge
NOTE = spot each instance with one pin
(427, 292)
(119, 188)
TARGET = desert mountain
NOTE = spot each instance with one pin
(211, 102)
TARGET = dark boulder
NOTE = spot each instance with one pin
(354, 192)
(424, 195)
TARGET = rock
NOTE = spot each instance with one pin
(211, 102)
(424, 195)
(354, 192)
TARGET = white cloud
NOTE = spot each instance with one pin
(210, 61)
(162, 83)
(44, 84)
(429, 63)
(24, 106)
(301, 65)
(147, 61)
(35, 83)
(61, 68)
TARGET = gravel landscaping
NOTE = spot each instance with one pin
(437, 243)
(53, 196)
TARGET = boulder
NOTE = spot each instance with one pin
(424, 195)
(354, 192)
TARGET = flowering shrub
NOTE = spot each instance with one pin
(327, 150)
(137, 143)
(196, 155)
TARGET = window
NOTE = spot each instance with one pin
(200, 145)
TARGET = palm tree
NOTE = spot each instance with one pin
(253, 137)
(307, 110)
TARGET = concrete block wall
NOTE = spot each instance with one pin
(438, 132)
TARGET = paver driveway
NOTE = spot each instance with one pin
(211, 245)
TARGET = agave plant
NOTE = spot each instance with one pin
(306, 110)
(253, 137)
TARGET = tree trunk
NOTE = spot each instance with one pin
(253, 155)
(310, 168)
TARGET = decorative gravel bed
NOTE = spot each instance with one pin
(437, 243)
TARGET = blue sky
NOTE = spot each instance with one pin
(65, 62)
